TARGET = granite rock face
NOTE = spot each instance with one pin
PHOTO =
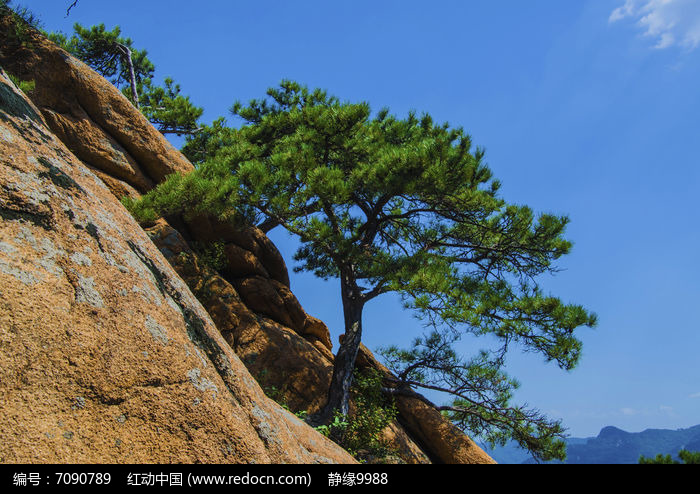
(105, 354)
(91, 117)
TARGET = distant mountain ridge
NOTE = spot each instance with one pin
(613, 445)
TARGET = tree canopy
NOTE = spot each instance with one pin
(385, 204)
(130, 69)
(686, 458)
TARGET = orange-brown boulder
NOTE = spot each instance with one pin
(292, 367)
(105, 354)
(255, 267)
(252, 240)
(88, 114)
(447, 443)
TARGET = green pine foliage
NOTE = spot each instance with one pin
(373, 413)
(25, 21)
(106, 52)
(686, 458)
(208, 141)
(115, 57)
(386, 204)
(24, 86)
(167, 109)
(482, 394)
(102, 50)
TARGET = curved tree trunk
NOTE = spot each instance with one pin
(132, 75)
(344, 365)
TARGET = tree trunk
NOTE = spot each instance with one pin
(132, 75)
(339, 392)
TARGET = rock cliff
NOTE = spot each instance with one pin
(106, 355)
(118, 343)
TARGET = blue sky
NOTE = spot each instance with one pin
(586, 108)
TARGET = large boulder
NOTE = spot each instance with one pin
(101, 127)
(295, 369)
(88, 114)
(105, 354)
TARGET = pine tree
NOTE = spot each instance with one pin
(392, 205)
(167, 109)
(109, 54)
(130, 69)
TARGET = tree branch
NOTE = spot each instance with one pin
(75, 2)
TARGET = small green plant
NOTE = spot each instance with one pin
(212, 254)
(360, 433)
(274, 393)
(24, 86)
(24, 22)
(336, 430)
(277, 395)
(271, 390)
